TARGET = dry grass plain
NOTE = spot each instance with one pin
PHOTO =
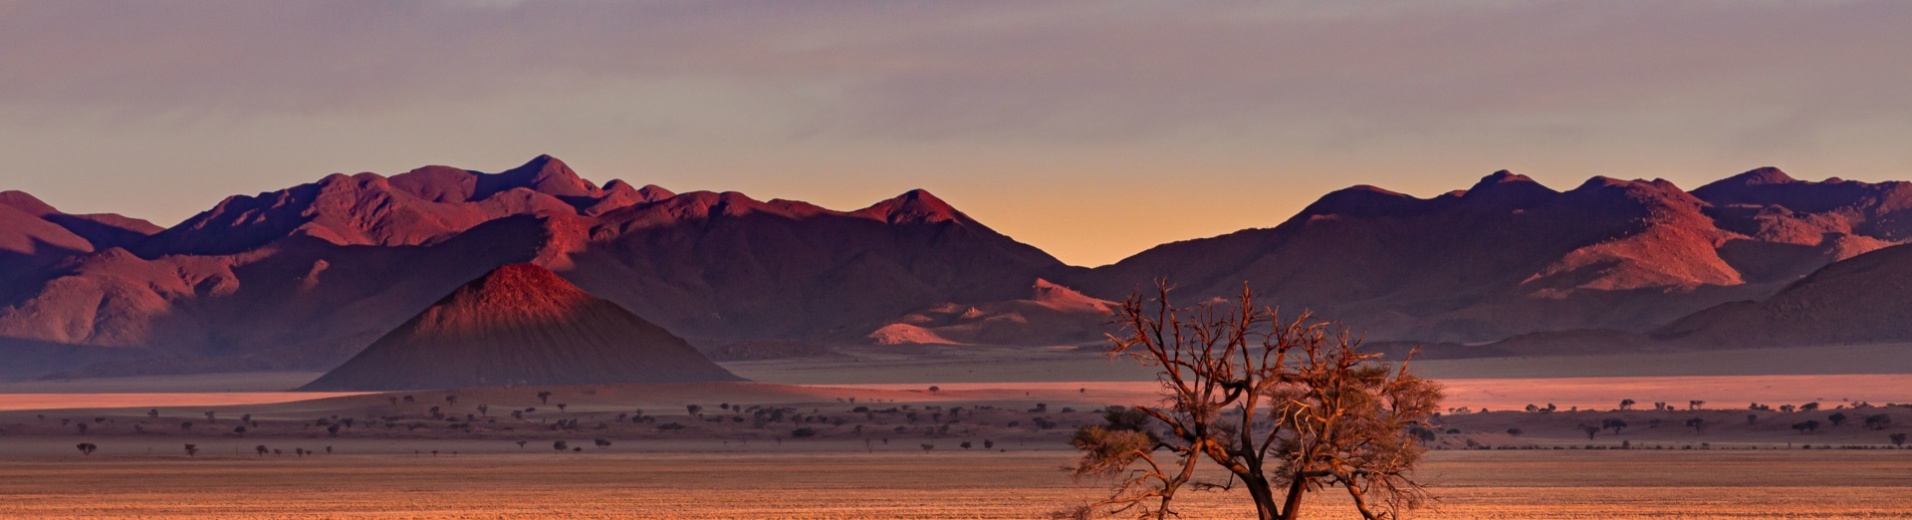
(914, 485)
(729, 464)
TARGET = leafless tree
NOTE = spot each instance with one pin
(1285, 407)
(87, 448)
(192, 450)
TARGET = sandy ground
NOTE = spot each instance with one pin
(921, 364)
(404, 460)
(938, 485)
(254, 382)
(37, 401)
(1489, 393)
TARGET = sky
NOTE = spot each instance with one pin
(1091, 129)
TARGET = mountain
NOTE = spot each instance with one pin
(1510, 256)
(1050, 315)
(307, 276)
(521, 324)
(33, 234)
(304, 277)
(1861, 300)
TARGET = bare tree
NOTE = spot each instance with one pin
(192, 450)
(87, 448)
(1285, 407)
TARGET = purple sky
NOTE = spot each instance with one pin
(1091, 129)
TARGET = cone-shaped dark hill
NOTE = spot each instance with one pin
(521, 324)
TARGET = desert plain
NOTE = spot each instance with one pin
(863, 434)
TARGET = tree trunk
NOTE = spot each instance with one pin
(1291, 510)
(1264, 497)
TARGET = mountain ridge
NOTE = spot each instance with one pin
(306, 275)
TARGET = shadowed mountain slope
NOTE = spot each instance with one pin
(1861, 300)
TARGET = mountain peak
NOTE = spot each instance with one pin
(1761, 176)
(1364, 201)
(544, 174)
(914, 206)
(653, 193)
(1503, 176)
(1509, 189)
(521, 289)
(24, 202)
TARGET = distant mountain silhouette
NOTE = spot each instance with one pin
(521, 325)
(306, 277)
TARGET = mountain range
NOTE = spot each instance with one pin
(308, 276)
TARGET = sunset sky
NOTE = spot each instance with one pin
(1091, 129)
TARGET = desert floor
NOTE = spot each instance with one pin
(912, 484)
(881, 443)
